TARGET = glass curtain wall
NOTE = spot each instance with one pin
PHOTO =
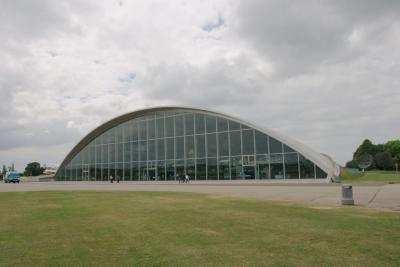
(164, 145)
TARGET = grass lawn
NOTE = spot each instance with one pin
(370, 177)
(185, 229)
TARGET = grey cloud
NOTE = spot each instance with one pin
(299, 36)
(27, 20)
(217, 84)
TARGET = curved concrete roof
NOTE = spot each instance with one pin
(321, 160)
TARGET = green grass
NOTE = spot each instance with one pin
(370, 177)
(185, 229)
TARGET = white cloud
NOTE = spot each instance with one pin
(325, 73)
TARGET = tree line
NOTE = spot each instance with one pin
(32, 169)
(384, 156)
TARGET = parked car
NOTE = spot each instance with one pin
(11, 177)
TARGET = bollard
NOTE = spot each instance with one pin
(347, 194)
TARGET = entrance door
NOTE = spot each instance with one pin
(85, 172)
(152, 174)
(248, 171)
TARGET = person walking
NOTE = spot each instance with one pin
(117, 178)
(111, 179)
(187, 178)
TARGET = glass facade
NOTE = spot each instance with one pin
(163, 145)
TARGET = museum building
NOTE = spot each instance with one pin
(163, 143)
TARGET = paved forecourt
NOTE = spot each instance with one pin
(386, 197)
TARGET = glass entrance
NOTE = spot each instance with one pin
(85, 172)
(248, 167)
(248, 171)
(152, 174)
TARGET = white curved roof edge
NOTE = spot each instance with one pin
(321, 160)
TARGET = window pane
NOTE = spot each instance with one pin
(134, 132)
(118, 133)
(306, 168)
(127, 171)
(160, 149)
(189, 150)
(152, 129)
(143, 171)
(276, 166)
(210, 124)
(135, 171)
(111, 136)
(245, 127)
(179, 125)
(120, 152)
(222, 125)
(224, 168)
(142, 130)
(135, 151)
(234, 125)
(189, 124)
(92, 154)
(236, 168)
(105, 172)
(211, 145)
(248, 142)
(143, 150)
(127, 152)
(170, 148)
(169, 126)
(200, 146)
(262, 170)
(200, 128)
(291, 166)
(170, 170)
(223, 144)
(104, 153)
(236, 146)
(261, 143)
(99, 176)
(179, 148)
(127, 131)
(287, 149)
(180, 167)
(212, 169)
(152, 150)
(111, 153)
(320, 173)
(161, 170)
(160, 128)
(119, 168)
(274, 145)
(190, 168)
(98, 154)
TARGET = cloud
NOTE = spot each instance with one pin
(301, 36)
(325, 73)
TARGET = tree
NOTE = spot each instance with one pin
(351, 164)
(367, 147)
(33, 169)
(393, 147)
(384, 160)
(4, 170)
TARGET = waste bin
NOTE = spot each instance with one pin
(347, 194)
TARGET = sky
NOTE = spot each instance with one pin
(323, 72)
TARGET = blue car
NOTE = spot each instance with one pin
(11, 177)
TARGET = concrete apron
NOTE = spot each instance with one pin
(383, 197)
